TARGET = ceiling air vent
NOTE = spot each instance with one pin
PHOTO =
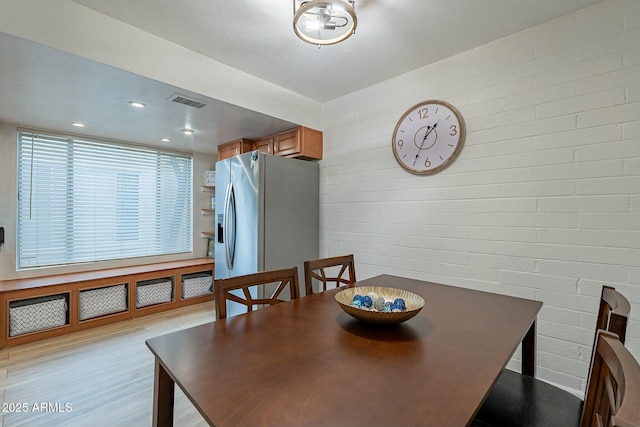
(181, 99)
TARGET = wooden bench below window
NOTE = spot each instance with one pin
(36, 308)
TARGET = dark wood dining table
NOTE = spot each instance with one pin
(308, 363)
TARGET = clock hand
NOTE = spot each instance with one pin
(429, 129)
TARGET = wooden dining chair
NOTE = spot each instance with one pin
(339, 270)
(613, 391)
(522, 400)
(283, 280)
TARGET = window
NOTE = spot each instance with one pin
(82, 200)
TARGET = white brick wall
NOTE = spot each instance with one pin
(543, 201)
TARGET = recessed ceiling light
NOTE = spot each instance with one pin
(137, 104)
(78, 124)
(165, 140)
(188, 131)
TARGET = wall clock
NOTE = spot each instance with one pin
(428, 137)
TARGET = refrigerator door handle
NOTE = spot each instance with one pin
(230, 226)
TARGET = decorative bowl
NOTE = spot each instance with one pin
(414, 304)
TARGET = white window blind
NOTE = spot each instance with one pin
(81, 200)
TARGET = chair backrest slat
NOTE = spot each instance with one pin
(285, 279)
(321, 270)
(614, 312)
(614, 385)
(613, 316)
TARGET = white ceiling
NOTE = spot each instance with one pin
(44, 88)
(47, 88)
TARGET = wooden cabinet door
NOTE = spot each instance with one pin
(234, 148)
(264, 145)
(301, 142)
(228, 150)
(287, 143)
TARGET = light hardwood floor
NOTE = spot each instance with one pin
(104, 376)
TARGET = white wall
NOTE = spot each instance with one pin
(7, 199)
(543, 201)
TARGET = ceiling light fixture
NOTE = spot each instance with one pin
(137, 104)
(324, 22)
(78, 124)
(188, 131)
(165, 140)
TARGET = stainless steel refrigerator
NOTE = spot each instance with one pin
(269, 216)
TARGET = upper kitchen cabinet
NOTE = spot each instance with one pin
(301, 142)
(264, 145)
(233, 148)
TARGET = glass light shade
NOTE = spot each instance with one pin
(324, 22)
